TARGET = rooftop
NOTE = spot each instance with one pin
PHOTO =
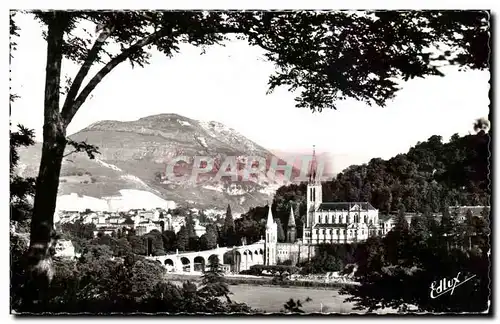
(330, 226)
(351, 206)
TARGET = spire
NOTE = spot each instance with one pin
(312, 170)
(269, 217)
(291, 219)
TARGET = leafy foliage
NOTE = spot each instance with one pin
(228, 231)
(182, 242)
(431, 175)
(209, 240)
(408, 262)
(89, 149)
(328, 56)
(273, 269)
(331, 257)
(96, 284)
(335, 55)
(213, 280)
(294, 306)
(156, 239)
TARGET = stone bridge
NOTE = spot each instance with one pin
(235, 259)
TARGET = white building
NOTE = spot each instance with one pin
(271, 239)
(65, 249)
(146, 227)
(336, 222)
(199, 229)
(177, 223)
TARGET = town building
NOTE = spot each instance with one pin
(336, 222)
(198, 228)
(326, 223)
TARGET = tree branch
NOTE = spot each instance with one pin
(73, 108)
(66, 155)
(82, 73)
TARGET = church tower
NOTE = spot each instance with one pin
(271, 239)
(314, 192)
(291, 233)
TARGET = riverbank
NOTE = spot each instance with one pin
(234, 280)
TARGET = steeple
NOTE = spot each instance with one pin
(271, 239)
(270, 220)
(291, 231)
(314, 166)
(291, 219)
(314, 193)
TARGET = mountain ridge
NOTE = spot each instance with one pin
(134, 155)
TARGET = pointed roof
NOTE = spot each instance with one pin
(291, 219)
(269, 217)
(312, 170)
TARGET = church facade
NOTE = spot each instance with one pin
(326, 223)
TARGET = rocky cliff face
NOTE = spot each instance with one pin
(134, 155)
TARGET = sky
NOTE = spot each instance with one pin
(228, 84)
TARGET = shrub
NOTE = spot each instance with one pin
(274, 269)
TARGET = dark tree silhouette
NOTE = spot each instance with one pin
(329, 56)
(228, 231)
(213, 280)
(182, 242)
(295, 306)
(190, 225)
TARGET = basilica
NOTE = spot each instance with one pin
(326, 223)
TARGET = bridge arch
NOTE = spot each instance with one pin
(199, 263)
(237, 258)
(186, 264)
(233, 259)
(247, 259)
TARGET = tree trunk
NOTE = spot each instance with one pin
(54, 142)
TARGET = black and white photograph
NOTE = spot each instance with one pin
(221, 162)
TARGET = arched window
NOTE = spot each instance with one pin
(366, 219)
(341, 219)
(338, 232)
(319, 219)
(348, 218)
(326, 219)
(334, 219)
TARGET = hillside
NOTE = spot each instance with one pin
(134, 155)
(432, 174)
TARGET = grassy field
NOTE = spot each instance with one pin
(271, 299)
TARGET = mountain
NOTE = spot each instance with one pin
(134, 155)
